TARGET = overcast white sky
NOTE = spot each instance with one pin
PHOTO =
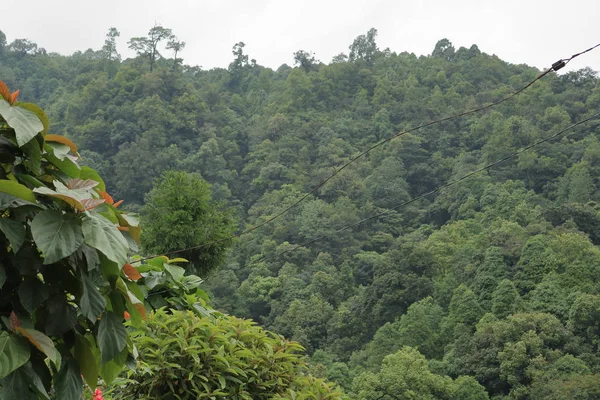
(519, 31)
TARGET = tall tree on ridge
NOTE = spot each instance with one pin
(364, 47)
(176, 46)
(148, 46)
(109, 50)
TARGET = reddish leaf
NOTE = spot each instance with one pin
(140, 309)
(105, 196)
(131, 272)
(122, 228)
(14, 321)
(14, 97)
(118, 203)
(91, 203)
(4, 92)
(81, 184)
(126, 315)
(41, 341)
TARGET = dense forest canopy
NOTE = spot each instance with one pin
(490, 289)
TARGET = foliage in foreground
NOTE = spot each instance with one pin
(67, 286)
(63, 272)
(183, 356)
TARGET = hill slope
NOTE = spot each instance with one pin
(496, 278)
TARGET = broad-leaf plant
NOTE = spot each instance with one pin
(67, 283)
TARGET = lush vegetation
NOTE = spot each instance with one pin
(63, 263)
(183, 356)
(490, 289)
(67, 287)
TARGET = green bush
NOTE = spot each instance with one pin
(184, 356)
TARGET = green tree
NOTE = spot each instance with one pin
(177, 46)
(305, 60)
(364, 47)
(387, 185)
(110, 45)
(584, 318)
(109, 51)
(2, 42)
(418, 328)
(306, 321)
(505, 299)
(179, 213)
(577, 185)
(23, 47)
(464, 307)
(405, 375)
(148, 46)
(443, 49)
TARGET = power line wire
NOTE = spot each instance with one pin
(555, 67)
(436, 190)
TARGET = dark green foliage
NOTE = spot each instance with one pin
(2, 42)
(180, 213)
(505, 299)
(263, 138)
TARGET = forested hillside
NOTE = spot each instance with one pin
(489, 289)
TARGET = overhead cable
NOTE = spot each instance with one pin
(436, 190)
(555, 67)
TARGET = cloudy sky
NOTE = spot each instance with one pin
(533, 32)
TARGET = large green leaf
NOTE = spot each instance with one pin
(17, 190)
(112, 336)
(191, 282)
(102, 235)
(61, 316)
(11, 201)
(8, 150)
(59, 150)
(35, 381)
(87, 361)
(69, 385)
(32, 293)
(110, 269)
(117, 302)
(37, 110)
(14, 232)
(2, 276)
(34, 156)
(16, 386)
(91, 257)
(14, 352)
(110, 370)
(92, 303)
(67, 166)
(25, 123)
(175, 271)
(57, 235)
(42, 342)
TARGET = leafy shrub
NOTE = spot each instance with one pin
(63, 249)
(184, 356)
